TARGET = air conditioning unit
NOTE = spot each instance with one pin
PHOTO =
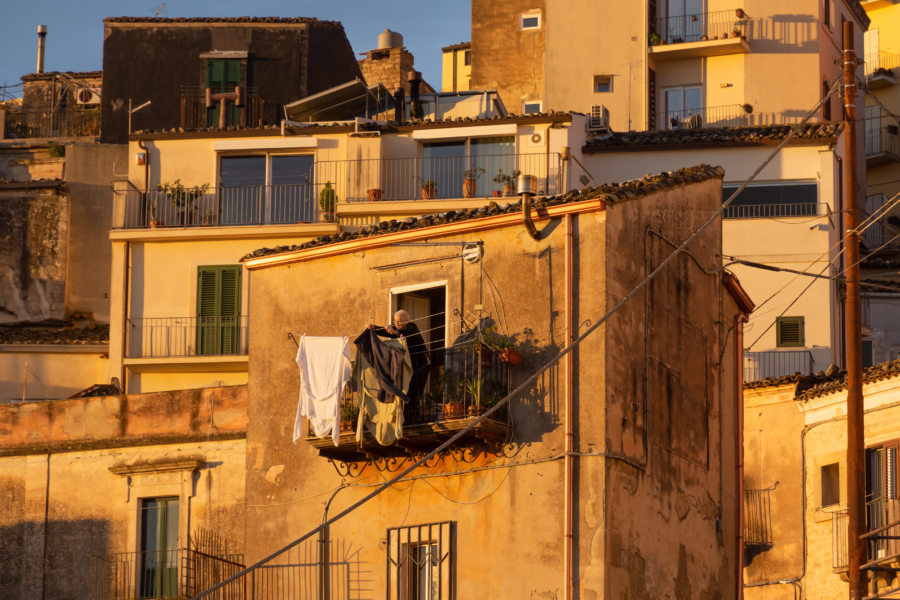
(87, 95)
(599, 119)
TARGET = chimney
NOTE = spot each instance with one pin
(399, 100)
(415, 105)
(42, 42)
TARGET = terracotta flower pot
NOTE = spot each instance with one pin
(428, 193)
(510, 356)
(468, 188)
(509, 189)
(454, 411)
(374, 195)
(328, 217)
(497, 193)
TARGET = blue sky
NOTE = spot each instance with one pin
(75, 27)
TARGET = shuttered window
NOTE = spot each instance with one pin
(223, 75)
(218, 309)
(789, 332)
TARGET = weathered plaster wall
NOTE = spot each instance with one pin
(34, 231)
(28, 160)
(52, 371)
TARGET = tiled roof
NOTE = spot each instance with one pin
(338, 126)
(611, 193)
(712, 136)
(808, 387)
(459, 46)
(262, 20)
(53, 74)
(53, 332)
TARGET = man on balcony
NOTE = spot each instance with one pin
(418, 356)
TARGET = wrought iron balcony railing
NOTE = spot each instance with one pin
(881, 61)
(721, 24)
(166, 337)
(194, 112)
(761, 211)
(881, 138)
(166, 574)
(731, 115)
(50, 122)
(882, 527)
(776, 363)
(758, 517)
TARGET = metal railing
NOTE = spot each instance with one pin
(839, 550)
(463, 382)
(224, 206)
(194, 112)
(730, 115)
(170, 574)
(51, 123)
(421, 562)
(881, 139)
(881, 60)
(165, 337)
(776, 363)
(700, 26)
(760, 211)
(758, 517)
(437, 178)
(882, 527)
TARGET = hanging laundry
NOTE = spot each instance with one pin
(381, 409)
(324, 370)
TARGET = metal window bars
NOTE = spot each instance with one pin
(421, 562)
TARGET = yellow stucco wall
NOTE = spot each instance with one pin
(455, 73)
(52, 372)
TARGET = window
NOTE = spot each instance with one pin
(223, 75)
(789, 332)
(830, 480)
(868, 353)
(683, 22)
(826, 12)
(445, 163)
(682, 106)
(602, 83)
(826, 108)
(159, 548)
(772, 200)
(881, 490)
(219, 310)
(420, 562)
(530, 21)
(274, 188)
(467, 58)
(530, 108)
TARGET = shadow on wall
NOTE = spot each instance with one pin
(54, 565)
(784, 33)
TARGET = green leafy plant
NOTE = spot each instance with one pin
(654, 38)
(472, 173)
(55, 150)
(181, 195)
(327, 198)
(428, 185)
(506, 178)
(492, 337)
(349, 412)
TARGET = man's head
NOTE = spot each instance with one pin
(401, 318)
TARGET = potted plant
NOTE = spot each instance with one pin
(505, 346)
(469, 176)
(508, 181)
(454, 409)
(475, 406)
(429, 188)
(327, 201)
(653, 39)
(154, 222)
(209, 217)
(374, 195)
(349, 416)
(182, 197)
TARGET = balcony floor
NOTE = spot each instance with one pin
(418, 437)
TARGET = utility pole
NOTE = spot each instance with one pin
(856, 476)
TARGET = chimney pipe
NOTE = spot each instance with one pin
(415, 105)
(399, 101)
(42, 42)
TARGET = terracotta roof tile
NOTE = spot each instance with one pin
(53, 332)
(611, 193)
(808, 387)
(261, 20)
(712, 136)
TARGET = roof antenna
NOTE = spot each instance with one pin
(159, 9)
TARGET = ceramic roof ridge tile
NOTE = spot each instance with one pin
(814, 385)
(608, 192)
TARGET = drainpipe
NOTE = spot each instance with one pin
(526, 186)
(569, 533)
(739, 320)
(146, 166)
(42, 46)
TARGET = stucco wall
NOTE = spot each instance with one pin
(51, 372)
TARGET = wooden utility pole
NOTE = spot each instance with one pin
(856, 475)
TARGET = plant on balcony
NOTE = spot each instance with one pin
(209, 217)
(182, 197)
(374, 194)
(469, 176)
(327, 202)
(653, 39)
(504, 344)
(349, 416)
(429, 189)
(507, 181)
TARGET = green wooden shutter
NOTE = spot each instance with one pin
(218, 310)
(222, 75)
(789, 332)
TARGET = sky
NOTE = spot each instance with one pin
(75, 27)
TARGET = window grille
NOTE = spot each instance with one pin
(421, 562)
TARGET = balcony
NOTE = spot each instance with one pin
(164, 574)
(700, 34)
(731, 115)
(464, 381)
(51, 123)
(194, 112)
(174, 337)
(882, 141)
(880, 69)
(758, 517)
(882, 537)
(776, 363)
(765, 211)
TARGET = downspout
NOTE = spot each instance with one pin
(146, 166)
(739, 320)
(526, 187)
(570, 435)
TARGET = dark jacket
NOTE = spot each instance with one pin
(418, 352)
(386, 361)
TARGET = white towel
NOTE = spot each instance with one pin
(324, 370)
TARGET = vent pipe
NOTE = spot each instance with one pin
(415, 105)
(399, 101)
(42, 44)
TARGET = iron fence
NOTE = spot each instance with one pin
(729, 115)
(421, 562)
(165, 337)
(701, 26)
(463, 381)
(445, 177)
(882, 532)
(758, 517)
(776, 363)
(51, 123)
(224, 206)
(194, 112)
(881, 139)
(177, 573)
(759, 211)
(881, 61)
(839, 550)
